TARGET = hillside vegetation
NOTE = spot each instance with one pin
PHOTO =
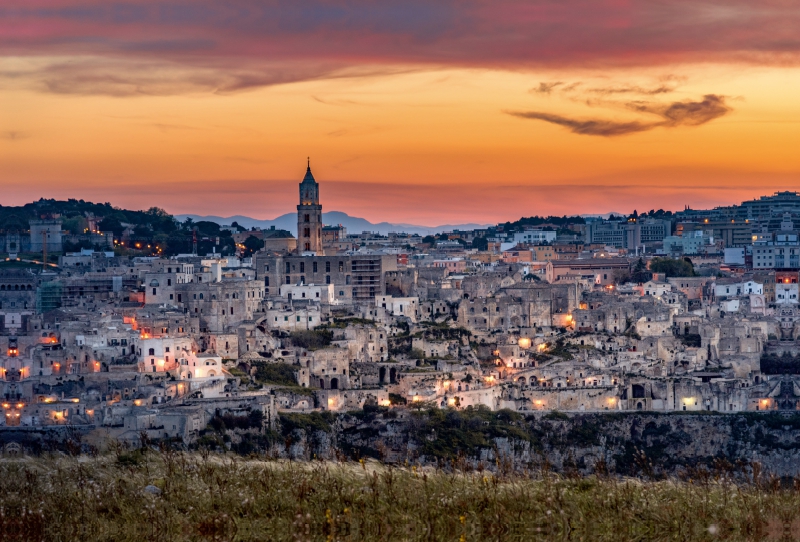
(147, 495)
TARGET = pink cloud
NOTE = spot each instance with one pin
(256, 38)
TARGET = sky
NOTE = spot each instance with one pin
(410, 111)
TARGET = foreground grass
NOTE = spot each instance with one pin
(173, 496)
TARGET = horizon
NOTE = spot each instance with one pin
(411, 112)
(410, 224)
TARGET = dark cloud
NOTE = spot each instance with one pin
(546, 88)
(13, 135)
(133, 78)
(243, 44)
(663, 89)
(594, 127)
(686, 113)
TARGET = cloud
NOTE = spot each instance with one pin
(594, 127)
(233, 46)
(546, 88)
(663, 89)
(13, 135)
(686, 113)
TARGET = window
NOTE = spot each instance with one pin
(151, 352)
(307, 232)
(315, 267)
(341, 267)
(154, 291)
(266, 281)
(288, 279)
(327, 267)
(302, 267)
(308, 218)
(327, 279)
(347, 279)
(288, 267)
(169, 282)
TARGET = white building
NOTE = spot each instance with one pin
(655, 289)
(781, 253)
(322, 293)
(695, 242)
(399, 306)
(200, 365)
(289, 318)
(786, 292)
(534, 237)
(738, 289)
(156, 355)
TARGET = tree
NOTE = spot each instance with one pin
(112, 224)
(252, 245)
(640, 273)
(672, 268)
(480, 243)
(429, 240)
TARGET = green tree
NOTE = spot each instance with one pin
(480, 243)
(640, 273)
(112, 224)
(671, 267)
(252, 245)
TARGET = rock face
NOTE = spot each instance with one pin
(621, 443)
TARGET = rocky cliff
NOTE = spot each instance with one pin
(622, 443)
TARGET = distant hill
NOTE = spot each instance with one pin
(352, 223)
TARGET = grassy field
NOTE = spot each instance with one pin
(175, 496)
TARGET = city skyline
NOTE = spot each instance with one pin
(422, 114)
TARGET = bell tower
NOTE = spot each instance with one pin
(309, 216)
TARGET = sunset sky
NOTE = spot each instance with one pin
(415, 111)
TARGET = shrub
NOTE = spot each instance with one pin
(313, 339)
(281, 374)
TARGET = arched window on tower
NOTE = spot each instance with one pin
(308, 218)
(308, 246)
(307, 232)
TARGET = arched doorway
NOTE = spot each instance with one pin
(382, 375)
(334, 383)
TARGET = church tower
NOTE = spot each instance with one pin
(309, 216)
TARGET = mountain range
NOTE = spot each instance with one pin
(352, 223)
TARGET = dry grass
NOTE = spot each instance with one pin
(210, 497)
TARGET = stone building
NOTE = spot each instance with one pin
(309, 217)
(356, 278)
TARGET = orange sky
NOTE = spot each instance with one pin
(397, 139)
